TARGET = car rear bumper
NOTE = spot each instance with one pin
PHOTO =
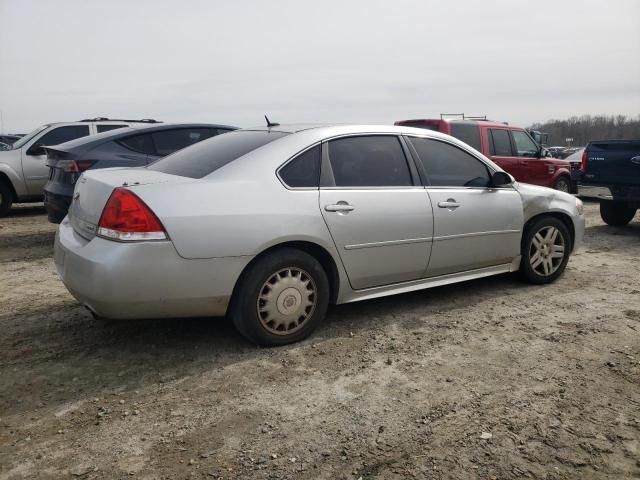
(143, 279)
(596, 192)
(56, 206)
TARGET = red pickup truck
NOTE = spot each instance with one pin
(512, 148)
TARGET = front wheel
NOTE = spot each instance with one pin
(545, 250)
(563, 184)
(616, 214)
(281, 298)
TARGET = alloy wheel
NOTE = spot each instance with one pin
(286, 301)
(562, 185)
(547, 251)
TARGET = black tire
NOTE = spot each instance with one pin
(6, 198)
(282, 267)
(563, 184)
(530, 270)
(616, 214)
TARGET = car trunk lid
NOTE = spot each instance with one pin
(94, 188)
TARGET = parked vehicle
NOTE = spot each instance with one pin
(557, 152)
(610, 173)
(270, 225)
(10, 139)
(541, 138)
(23, 169)
(125, 147)
(512, 148)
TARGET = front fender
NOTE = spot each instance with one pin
(538, 200)
(15, 178)
(559, 172)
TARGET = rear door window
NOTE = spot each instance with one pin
(107, 128)
(169, 141)
(449, 166)
(206, 157)
(141, 143)
(64, 134)
(303, 171)
(369, 161)
(500, 142)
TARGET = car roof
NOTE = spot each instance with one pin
(322, 131)
(91, 141)
(298, 138)
(291, 127)
(302, 136)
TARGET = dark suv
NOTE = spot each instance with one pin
(125, 147)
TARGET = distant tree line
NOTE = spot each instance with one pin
(586, 128)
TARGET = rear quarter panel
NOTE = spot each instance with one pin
(227, 216)
(112, 154)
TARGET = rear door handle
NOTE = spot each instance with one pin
(341, 207)
(450, 204)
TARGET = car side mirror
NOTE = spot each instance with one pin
(501, 179)
(36, 149)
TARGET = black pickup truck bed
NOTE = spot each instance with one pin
(610, 172)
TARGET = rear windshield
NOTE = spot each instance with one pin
(469, 133)
(205, 157)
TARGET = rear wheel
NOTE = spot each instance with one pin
(545, 250)
(616, 214)
(563, 184)
(6, 198)
(281, 298)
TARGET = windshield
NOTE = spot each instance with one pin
(28, 137)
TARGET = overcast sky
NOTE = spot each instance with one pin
(316, 61)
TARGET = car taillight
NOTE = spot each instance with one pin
(74, 166)
(583, 166)
(126, 217)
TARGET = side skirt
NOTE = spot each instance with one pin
(369, 293)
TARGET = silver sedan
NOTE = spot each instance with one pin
(271, 225)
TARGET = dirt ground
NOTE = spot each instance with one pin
(491, 379)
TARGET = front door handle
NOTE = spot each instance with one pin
(340, 207)
(451, 204)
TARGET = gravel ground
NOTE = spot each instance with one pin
(490, 379)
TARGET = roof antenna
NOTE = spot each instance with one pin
(269, 124)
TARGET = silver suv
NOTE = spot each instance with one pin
(23, 167)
